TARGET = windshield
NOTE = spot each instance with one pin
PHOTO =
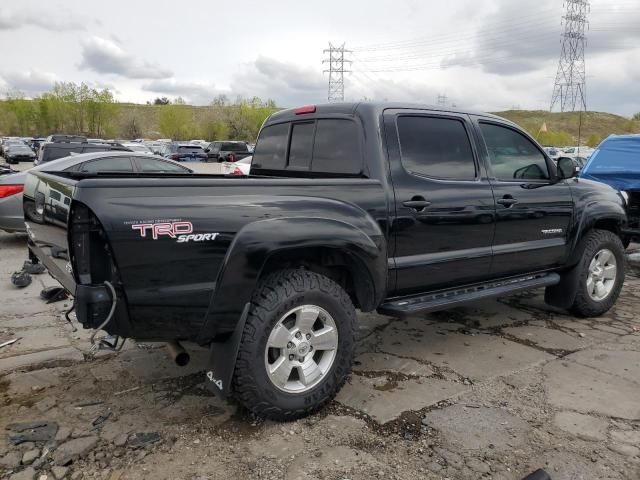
(615, 156)
(18, 148)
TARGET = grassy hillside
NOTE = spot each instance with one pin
(595, 125)
(55, 114)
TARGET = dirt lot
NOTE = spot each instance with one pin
(494, 390)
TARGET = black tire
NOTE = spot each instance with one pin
(277, 294)
(584, 305)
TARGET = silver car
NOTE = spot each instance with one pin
(11, 185)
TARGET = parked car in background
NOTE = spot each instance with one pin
(35, 144)
(6, 142)
(54, 151)
(136, 147)
(227, 151)
(238, 169)
(572, 152)
(183, 152)
(11, 185)
(154, 146)
(62, 138)
(616, 162)
(18, 152)
(553, 152)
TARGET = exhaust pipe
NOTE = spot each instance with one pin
(177, 353)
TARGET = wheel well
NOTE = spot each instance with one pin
(609, 224)
(343, 268)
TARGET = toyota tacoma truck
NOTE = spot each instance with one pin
(400, 209)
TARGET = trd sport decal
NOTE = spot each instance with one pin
(182, 231)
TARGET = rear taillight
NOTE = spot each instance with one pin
(8, 190)
(237, 172)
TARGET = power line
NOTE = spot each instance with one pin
(570, 84)
(336, 71)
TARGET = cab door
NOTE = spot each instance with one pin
(533, 208)
(444, 221)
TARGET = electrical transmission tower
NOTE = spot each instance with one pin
(336, 71)
(569, 89)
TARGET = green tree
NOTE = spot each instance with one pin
(175, 121)
(20, 114)
(636, 117)
(101, 111)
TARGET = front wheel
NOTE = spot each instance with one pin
(297, 346)
(602, 271)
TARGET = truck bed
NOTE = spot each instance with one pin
(166, 241)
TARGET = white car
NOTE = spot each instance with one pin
(573, 152)
(239, 168)
(137, 147)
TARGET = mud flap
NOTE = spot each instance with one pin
(564, 293)
(222, 359)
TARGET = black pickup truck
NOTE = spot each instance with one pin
(402, 209)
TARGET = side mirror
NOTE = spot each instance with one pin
(207, 150)
(566, 168)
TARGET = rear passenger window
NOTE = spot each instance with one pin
(337, 147)
(271, 149)
(436, 147)
(301, 143)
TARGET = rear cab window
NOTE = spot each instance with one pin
(321, 147)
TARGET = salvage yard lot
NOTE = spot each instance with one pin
(491, 390)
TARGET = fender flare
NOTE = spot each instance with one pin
(593, 213)
(254, 244)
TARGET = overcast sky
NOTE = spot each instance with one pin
(482, 54)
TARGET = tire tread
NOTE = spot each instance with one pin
(268, 297)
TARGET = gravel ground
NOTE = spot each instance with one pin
(493, 390)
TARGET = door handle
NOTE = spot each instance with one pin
(507, 201)
(417, 203)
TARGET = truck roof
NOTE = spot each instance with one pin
(371, 108)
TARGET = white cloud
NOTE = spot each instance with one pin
(106, 56)
(40, 19)
(288, 83)
(192, 92)
(32, 82)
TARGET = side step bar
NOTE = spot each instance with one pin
(444, 299)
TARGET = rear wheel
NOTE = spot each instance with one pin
(601, 275)
(297, 345)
